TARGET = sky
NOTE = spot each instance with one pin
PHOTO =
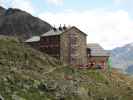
(107, 22)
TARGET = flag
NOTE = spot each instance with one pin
(110, 64)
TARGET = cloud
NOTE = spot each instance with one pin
(21, 4)
(124, 2)
(56, 2)
(110, 29)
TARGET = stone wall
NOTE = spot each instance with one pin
(78, 54)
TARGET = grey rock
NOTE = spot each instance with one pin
(1, 98)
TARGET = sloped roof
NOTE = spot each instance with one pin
(97, 50)
(33, 39)
(59, 32)
(52, 33)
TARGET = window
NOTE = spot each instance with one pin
(88, 51)
(74, 40)
(73, 60)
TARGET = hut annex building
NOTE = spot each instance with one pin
(70, 46)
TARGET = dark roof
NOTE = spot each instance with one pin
(59, 32)
(97, 50)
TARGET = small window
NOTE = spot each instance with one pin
(73, 50)
(88, 51)
(73, 60)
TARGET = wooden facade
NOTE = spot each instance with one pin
(51, 45)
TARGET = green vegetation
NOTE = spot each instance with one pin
(27, 74)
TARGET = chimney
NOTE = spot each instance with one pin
(64, 27)
(54, 29)
(60, 28)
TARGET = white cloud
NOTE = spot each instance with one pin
(110, 29)
(125, 2)
(21, 4)
(56, 2)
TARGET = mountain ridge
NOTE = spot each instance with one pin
(122, 57)
(15, 22)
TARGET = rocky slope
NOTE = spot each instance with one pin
(15, 22)
(122, 57)
(26, 74)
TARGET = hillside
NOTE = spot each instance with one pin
(15, 22)
(26, 74)
(123, 57)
